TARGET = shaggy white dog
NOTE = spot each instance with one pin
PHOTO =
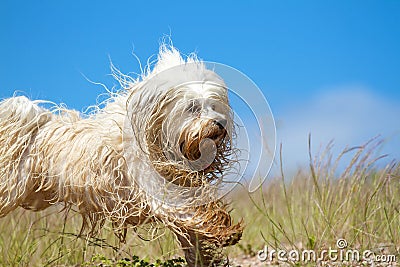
(155, 152)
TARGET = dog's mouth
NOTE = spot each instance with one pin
(202, 148)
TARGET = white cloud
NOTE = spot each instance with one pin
(348, 115)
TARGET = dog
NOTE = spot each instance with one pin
(154, 152)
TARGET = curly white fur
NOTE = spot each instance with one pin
(109, 163)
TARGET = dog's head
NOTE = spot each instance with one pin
(190, 135)
(180, 117)
(197, 127)
(185, 116)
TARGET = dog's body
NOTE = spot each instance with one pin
(108, 163)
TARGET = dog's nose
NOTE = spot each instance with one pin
(221, 123)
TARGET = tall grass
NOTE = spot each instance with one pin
(49, 238)
(309, 210)
(326, 202)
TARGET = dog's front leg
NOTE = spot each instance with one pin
(198, 252)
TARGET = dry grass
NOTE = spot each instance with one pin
(49, 239)
(318, 206)
(310, 210)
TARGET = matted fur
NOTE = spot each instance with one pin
(60, 156)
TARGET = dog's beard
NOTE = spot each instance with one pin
(202, 143)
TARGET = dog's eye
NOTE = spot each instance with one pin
(194, 107)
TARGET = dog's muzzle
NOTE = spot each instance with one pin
(204, 144)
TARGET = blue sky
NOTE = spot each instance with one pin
(331, 68)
